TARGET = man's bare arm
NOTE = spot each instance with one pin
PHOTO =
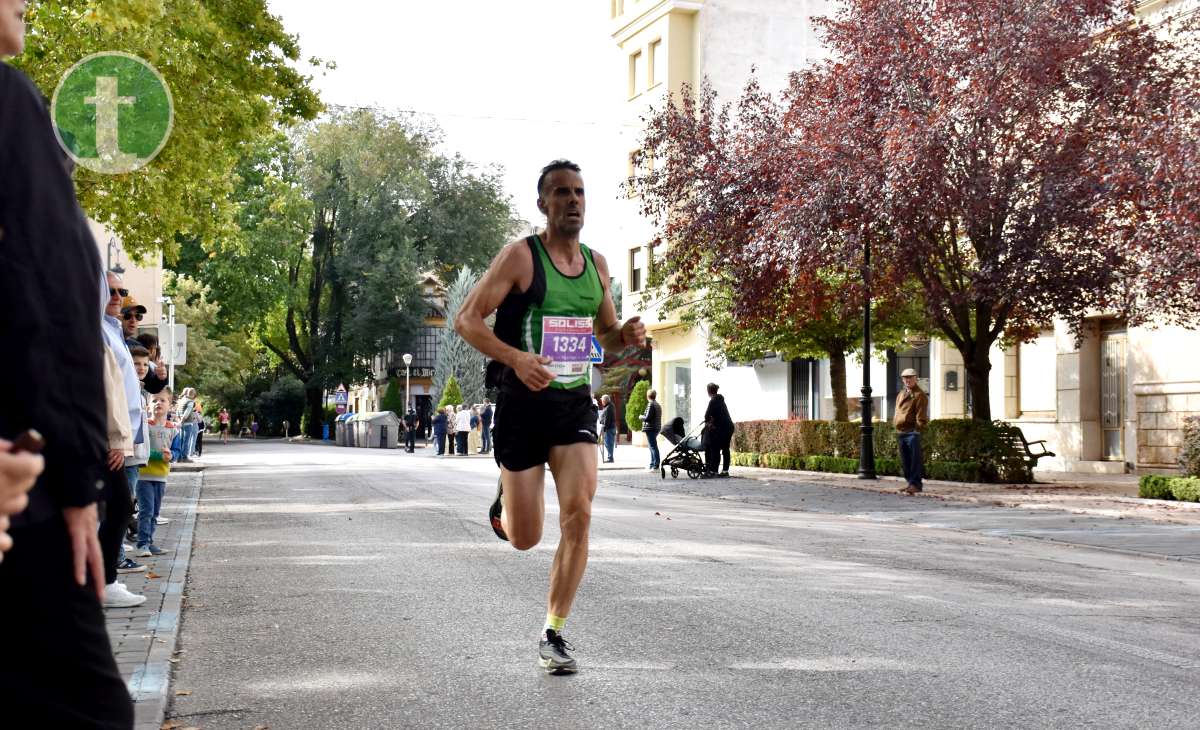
(508, 271)
(609, 330)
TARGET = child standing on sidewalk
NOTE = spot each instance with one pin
(152, 478)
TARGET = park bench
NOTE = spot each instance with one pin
(1015, 438)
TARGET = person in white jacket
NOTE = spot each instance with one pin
(462, 427)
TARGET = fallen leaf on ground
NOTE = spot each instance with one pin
(183, 693)
(153, 575)
(262, 727)
(170, 725)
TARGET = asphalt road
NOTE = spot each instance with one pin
(336, 588)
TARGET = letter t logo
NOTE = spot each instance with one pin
(106, 102)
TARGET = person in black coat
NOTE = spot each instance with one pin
(439, 431)
(718, 432)
(410, 430)
(59, 669)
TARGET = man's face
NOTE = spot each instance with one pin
(115, 288)
(130, 322)
(910, 381)
(12, 27)
(562, 201)
(141, 366)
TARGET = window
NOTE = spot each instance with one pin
(427, 347)
(637, 268)
(1037, 374)
(658, 64)
(618, 8)
(637, 73)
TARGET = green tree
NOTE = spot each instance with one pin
(456, 358)
(451, 395)
(636, 405)
(231, 70)
(211, 364)
(392, 400)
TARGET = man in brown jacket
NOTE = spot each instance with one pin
(912, 415)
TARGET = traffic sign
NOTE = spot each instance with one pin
(597, 351)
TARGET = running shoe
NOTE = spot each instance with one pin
(129, 565)
(150, 551)
(494, 511)
(553, 656)
(116, 595)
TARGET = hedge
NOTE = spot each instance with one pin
(945, 470)
(1156, 486)
(984, 446)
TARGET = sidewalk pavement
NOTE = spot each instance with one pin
(143, 638)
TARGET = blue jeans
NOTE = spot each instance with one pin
(487, 438)
(610, 442)
(189, 439)
(439, 438)
(910, 457)
(150, 496)
(652, 440)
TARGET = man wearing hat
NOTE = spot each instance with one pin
(132, 314)
(912, 415)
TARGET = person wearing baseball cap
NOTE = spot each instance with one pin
(912, 415)
(132, 313)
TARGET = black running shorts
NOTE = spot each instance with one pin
(529, 424)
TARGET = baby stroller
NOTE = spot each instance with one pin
(686, 453)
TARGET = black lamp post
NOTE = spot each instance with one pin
(866, 460)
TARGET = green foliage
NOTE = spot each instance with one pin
(392, 400)
(953, 471)
(451, 394)
(974, 450)
(834, 464)
(1154, 486)
(781, 461)
(230, 68)
(211, 364)
(741, 458)
(1183, 489)
(283, 402)
(888, 467)
(847, 439)
(636, 405)
(456, 357)
(1189, 455)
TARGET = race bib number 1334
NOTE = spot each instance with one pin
(567, 341)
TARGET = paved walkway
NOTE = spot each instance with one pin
(143, 638)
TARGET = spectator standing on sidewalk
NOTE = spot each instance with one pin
(608, 427)
(152, 480)
(202, 426)
(486, 425)
(58, 668)
(123, 395)
(410, 425)
(912, 415)
(185, 407)
(652, 426)
(439, 431)
(462, 421)
(718, 433)
(158, 376)
(132, 314)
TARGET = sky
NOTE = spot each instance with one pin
(514, 84)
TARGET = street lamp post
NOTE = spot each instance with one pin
(170, 347)
(866, 460)
(407, 381)
(108, 256)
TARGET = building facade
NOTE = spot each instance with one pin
(384, 366)
(1111, 400)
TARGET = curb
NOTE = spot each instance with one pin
(150, 684)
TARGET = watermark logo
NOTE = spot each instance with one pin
(112, 112)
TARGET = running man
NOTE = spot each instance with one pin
(550, 293)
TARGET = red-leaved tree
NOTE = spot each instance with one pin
(1016, 158)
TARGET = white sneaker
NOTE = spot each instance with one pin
(161, 521)
(126, 547)
(116, 595)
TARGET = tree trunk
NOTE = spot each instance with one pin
(978, 365)
(837, 383)
(316, 410)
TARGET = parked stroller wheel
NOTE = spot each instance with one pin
(674, 472)
(693, 474)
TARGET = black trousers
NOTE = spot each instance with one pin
(58, 668)
(716, 449)
(461, 444)
(199, 443)
(117, 509)
(410, 439)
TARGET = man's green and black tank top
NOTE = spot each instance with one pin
(554, 317)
